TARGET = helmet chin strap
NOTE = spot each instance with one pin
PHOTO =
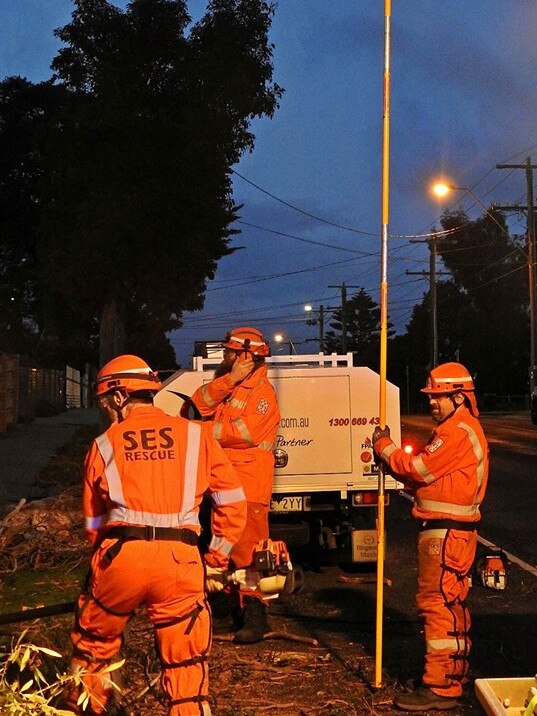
(454, 402)
(118, 407)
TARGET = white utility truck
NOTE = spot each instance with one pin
(325, 477)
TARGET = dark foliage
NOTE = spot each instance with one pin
(363, 330)
(125, 192)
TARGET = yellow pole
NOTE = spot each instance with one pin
(383, 335)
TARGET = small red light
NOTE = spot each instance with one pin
(408, 448)
(369, 497)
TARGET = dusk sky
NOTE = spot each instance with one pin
(463, 100)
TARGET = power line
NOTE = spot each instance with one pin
(302, 211)
(306, 241)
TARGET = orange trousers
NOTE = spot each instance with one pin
(168, 577)
(445, 558)
(256, 529)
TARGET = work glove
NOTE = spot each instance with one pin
(379, 433)
(215, 580)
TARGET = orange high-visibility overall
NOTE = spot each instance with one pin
(245, 419)
(144, 480)
(450, 479)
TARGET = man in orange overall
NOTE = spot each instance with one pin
(144, 479)
(243, 409)
(450, 479)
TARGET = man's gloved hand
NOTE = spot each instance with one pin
(215, 581)
(379, 433)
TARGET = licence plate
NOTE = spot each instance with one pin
(287, 504)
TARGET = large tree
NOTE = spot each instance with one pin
(488, 265)
(362, 320)
(135, 191)
(482, 311)
(25, 110)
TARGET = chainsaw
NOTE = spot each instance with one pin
(270, 574)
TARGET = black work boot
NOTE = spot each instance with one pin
(423, 699)
(255, 624)
(221, 610)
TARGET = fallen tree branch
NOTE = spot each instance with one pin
(17, 508)
(273, 635)
(369, 579)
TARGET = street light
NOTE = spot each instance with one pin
(280, 338)
(442, 189)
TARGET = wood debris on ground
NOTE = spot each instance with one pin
(44, 534)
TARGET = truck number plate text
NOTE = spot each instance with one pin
(287, 504)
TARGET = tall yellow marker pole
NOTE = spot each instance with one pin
(383, 333)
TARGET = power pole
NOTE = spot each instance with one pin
(321, 328)
(320, 322)
(432, 274)
(530, 247)
(343, 287)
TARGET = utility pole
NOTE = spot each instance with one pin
(433, 273)
(319, 321)
(530, 248)
(343, 287)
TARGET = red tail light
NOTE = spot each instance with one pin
(368, 498)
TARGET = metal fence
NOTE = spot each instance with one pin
(28, 392)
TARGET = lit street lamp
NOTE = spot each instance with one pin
(442, 189)
(280, 338)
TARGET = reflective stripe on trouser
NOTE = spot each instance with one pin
(445, 558)
(256, 529)
(168, 578)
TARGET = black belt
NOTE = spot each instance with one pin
(448, 525)
(150, 534)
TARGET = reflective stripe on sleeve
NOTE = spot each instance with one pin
(478, 452)
(209, 402)
(419, 467)
(227, 497)
(220, 544)
(265, 445)
(240, 404)
(388, 450)
(115, 488)
(243, 430)
(217, 430)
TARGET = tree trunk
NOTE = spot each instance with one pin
(112, 330)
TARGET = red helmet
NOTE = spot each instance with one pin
(247, 339)
(128, 373)
(449, 378)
